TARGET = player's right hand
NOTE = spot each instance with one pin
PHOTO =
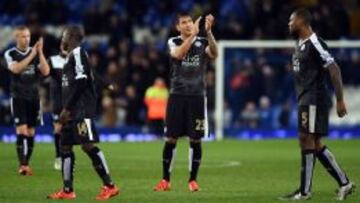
(34, 50)
(209, 21)
(341, 108)
(196, 26)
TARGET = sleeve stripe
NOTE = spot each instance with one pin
(324, 54)
(8, 58)
(171, 44)
(79, 68)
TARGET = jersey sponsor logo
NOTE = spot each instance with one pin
(30, 70)
(191, 61)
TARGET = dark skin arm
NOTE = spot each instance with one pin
(335, 75)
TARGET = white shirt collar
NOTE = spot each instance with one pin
(301, 42)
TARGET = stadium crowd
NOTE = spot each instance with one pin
(259, 85)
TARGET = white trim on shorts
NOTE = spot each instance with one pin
(88, 125)
(312, 118)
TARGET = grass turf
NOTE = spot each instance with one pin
(231, 171)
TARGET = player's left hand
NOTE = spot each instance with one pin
(209, 21)
(341, 108)
(64, 116)
(40, 45)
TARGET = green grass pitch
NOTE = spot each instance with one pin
(231, 171)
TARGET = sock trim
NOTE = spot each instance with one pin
(26, 147)
(335, 165)
(103, 161)
(191, 156)
(309, 166)
(172, 161)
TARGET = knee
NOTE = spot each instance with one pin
(87, 147)
(318, 145)
(195, 141)
(31, 132)
(22, 130)
(171, 140)
(66, 149)
(306, 141)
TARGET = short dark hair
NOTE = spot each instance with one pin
(76, 32)
(304, 14)
(182, 14)
(21, 27)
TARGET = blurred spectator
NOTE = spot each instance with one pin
(268, 80)
(265, 113)
(5, 118)
(156, 97)
(51, 44)
(284, 117)
(132, 50)
(239, 85)
(250, 116)
(133, 105)
(109, 113)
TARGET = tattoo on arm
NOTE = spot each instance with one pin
(212, 44)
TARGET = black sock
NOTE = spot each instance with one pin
(98, 160)
(57, 144)
(327, 159)
(307, 168)
(30, 144)
(68, 162)
(168, 159)
(195, 153)
(21, 149)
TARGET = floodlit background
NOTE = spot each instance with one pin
(126, 41)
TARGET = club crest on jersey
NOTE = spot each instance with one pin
(198, 44)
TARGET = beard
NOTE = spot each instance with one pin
(294, 33)
(65, 46)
